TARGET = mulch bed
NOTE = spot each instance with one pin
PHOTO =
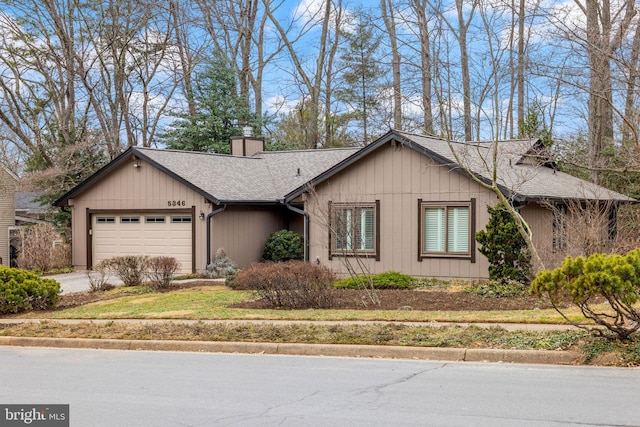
(421, 300)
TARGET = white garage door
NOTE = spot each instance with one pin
(152, 234)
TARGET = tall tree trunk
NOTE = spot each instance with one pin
(388, 13)
(464, 68)
(329, 125)
(186, 62)
(601, 47)
(631, 119)
(520, 79)
(313, 83)
(419, 7)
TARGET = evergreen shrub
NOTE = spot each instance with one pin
(504, 247)
(610, 279)
(386, 280)
(22, 290)
(283, 245)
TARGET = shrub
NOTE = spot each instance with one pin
(283, 245)
(612, 279)
(222, 266)
(43, 249)
(129, 268)
(22, 290)
(291, 284)
(504, 247)
(386, 280)
(160, 270)
(497, 289)
(99, 281)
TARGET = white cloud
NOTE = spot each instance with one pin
(279, 104)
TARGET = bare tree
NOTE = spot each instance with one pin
(388, 17)
(581, 227)
(311, 81)
(419, 8)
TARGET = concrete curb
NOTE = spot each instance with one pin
(331, 350)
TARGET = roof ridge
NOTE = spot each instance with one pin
(169, 150)
(309, 150)
(487, 141)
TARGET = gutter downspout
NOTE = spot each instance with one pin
(306, 228)
(209, 216)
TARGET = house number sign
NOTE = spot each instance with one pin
(172, 203)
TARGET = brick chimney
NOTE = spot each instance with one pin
(247, 144)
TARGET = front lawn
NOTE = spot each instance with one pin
(213, 302)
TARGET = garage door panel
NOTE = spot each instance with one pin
(153, 235)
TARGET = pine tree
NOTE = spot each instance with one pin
(221, 113)
(362, 72)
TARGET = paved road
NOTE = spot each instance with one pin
(113, 388)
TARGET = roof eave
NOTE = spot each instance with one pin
(232, 202)
(114, 164)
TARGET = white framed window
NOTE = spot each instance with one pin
(446, 229)
(354, 229)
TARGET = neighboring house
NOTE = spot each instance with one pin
(8, 183)
(401, 203)
(28, 211)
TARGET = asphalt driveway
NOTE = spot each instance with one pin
(78, 281)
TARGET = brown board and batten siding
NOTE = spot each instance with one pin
(138, 190)
(242, 231)
(399, 177)
(7, 212)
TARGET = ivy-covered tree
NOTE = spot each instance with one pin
(221, 113)
(504, 247)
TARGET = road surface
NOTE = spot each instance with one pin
(135, 388)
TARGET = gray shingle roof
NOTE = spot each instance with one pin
(26, 201)
(264, 177)
(271, 177)
(527, 181)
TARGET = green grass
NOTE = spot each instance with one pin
(213, 302)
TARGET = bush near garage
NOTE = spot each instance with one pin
(283, 245)
(128, 268)
(288, 285)
(22, 290)
(222, 266)
(160, 270)
(386, 280)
